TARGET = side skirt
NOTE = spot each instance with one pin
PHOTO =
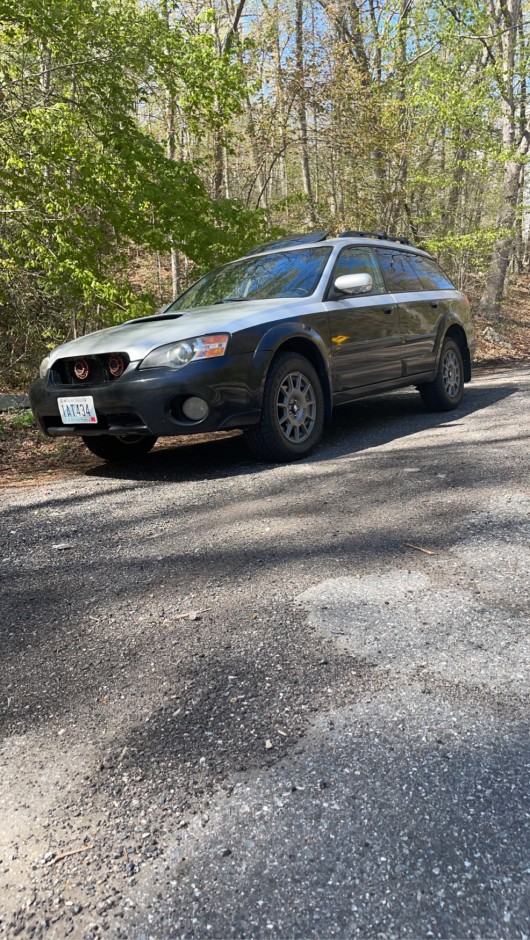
(353, 394)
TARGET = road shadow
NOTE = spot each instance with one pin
(122, 553)
(367, 423)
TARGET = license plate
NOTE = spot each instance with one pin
(79, 410)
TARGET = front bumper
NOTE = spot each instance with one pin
(149, 402)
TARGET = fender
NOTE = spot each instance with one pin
(295, 335)
(294, 331)
(448, 320)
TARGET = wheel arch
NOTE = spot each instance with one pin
(457, 333)
(311, 346)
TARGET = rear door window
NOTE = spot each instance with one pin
(431, 276)
(360, 260)
(399, 274)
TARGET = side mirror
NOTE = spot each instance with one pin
(353, 284)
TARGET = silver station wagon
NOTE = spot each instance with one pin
(270, 344)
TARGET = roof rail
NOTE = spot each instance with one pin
(382, 235)
(290, 241)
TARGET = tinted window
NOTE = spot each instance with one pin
(360, 261)
(399, 273)
(283, 274)
(430, 275)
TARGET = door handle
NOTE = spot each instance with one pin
(388, 311)
(434, 304)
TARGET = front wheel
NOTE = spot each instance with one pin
(120, 449)
(292, 415)
(445, 392)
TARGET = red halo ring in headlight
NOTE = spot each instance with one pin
(116, 365)
(81, 369)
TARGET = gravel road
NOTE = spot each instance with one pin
(242, 700)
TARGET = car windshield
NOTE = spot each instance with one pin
(282, 274)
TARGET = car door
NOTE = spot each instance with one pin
(365, 336)
(420, 305)
(439, 294)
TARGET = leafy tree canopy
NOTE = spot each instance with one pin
(81, 178)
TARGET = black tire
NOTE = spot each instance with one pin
(120, 449)
(292, 414)
(445, 393)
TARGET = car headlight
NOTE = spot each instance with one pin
(44, 366)
(176, 355)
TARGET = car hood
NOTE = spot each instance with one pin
(138, 337)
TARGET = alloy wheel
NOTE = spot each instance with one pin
(451, 376)
(296, 405)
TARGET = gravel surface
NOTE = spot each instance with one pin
(291, 701)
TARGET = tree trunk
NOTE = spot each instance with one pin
(302, 114)
(259, 178)
(280, 95)
(171, 110)
(490, 302)
(518, 250)
(505, 19)
(175, 260)
(220, 183)
(218, 167)
(400, 198)
(46, 64)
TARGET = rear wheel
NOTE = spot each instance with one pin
(292, 415)
(119, 449)
(445, 392)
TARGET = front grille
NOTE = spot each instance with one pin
(89, 370)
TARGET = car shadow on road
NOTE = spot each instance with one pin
(367, 423)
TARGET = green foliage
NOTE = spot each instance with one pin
(132, 126)
(21, 420)
(82, 179)
(17, 421)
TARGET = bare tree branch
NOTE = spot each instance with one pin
(232, 32)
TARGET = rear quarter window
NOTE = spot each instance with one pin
(431, 276)
(400, 276)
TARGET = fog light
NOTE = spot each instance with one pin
(195, 408)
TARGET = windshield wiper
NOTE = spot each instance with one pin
(232, 300)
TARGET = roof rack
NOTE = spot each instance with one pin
(382, 235)
(290, 241)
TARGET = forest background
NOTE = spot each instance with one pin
(144, 142)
